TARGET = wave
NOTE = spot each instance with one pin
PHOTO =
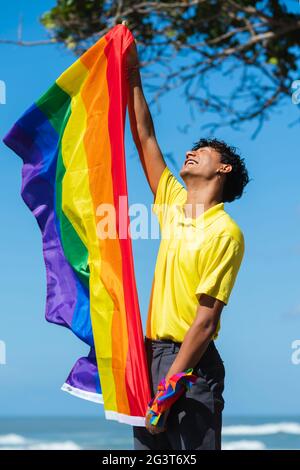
(65, 445)
(17, 442)
(243, 445)
(261, 429)
(12, 439)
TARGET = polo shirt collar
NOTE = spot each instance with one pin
(206, 217)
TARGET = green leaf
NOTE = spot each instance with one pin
(273, 61)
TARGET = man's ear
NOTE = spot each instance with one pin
(227, 168)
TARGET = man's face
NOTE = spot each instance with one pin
(203, 162)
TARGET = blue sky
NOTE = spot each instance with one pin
(262, 318)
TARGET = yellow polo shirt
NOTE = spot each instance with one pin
(200, 255)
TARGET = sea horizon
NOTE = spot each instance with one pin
(44, 432)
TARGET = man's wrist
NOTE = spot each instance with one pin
(168, 391)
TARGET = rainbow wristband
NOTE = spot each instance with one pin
(167, 393)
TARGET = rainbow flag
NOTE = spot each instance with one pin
(71, 142)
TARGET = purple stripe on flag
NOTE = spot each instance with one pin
(37, 143)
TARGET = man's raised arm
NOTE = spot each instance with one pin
(141, 123)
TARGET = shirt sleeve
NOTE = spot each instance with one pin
(219, 263)
(169, 191)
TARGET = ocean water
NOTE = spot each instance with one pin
(239, 433)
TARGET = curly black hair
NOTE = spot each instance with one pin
(238, 178)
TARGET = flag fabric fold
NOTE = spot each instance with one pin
(71, 142)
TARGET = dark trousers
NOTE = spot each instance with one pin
(195, 419)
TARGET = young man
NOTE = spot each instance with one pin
(193, 278)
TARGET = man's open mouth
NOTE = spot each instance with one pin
(190, 161)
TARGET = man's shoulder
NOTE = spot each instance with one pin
(227, 226)
(174, 192)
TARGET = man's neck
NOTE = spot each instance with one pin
(200, 199)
